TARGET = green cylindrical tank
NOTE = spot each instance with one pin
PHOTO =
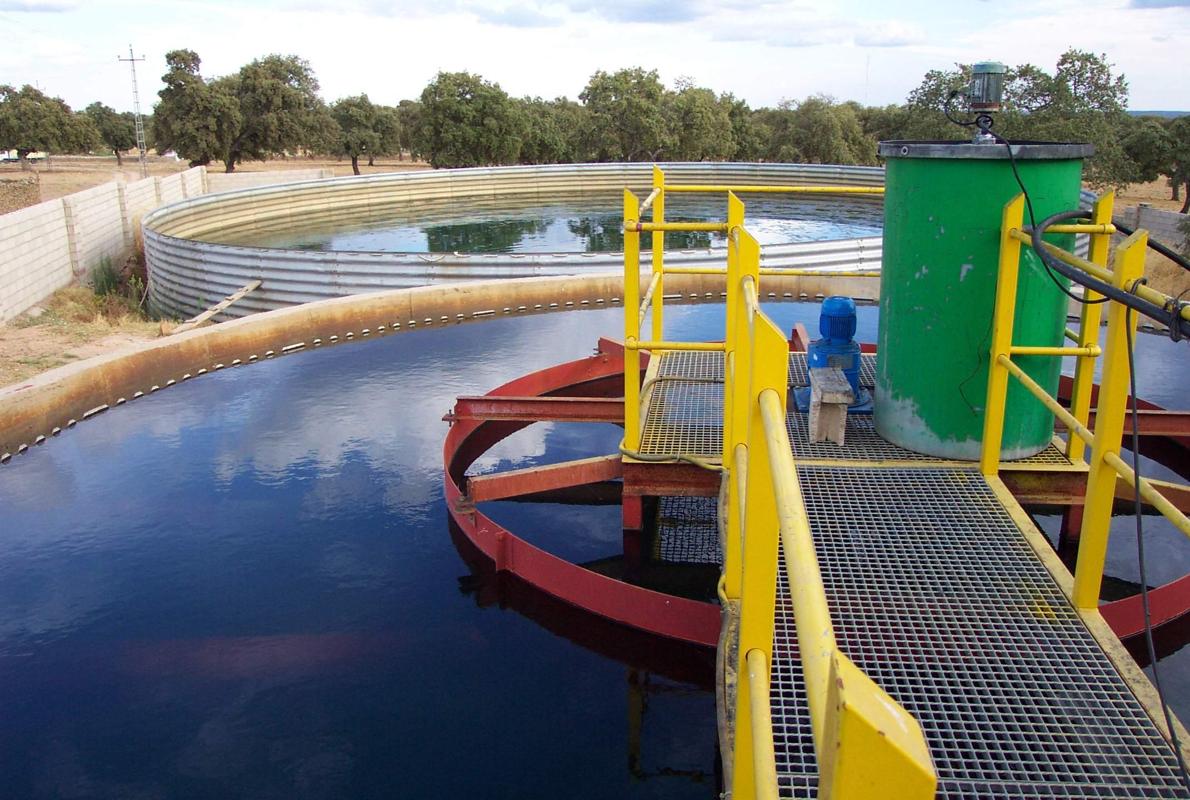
(942, 209)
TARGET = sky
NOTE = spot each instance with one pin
(764, 52)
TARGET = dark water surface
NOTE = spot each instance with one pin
(246, 586)
(577, 225)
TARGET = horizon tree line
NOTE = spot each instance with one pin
(272, 106)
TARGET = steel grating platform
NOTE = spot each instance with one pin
(1015, 696)
(687, 531)
(684, 415)
(709, 367)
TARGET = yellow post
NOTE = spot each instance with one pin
(770, 375)
(736, 370)
(1002, 319)
(873, 747)
(1109, 426)
(735, 219)
(631, 321)
(1084, 368)
(658, 251)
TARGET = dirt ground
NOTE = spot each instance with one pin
(1156, 193)
(64, 175)
(72, 325)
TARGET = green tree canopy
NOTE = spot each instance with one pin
(270, 106)
(409, 118)
(748, 134)
(628, 119)
(117, 131)
(1082, 101)
(196, 120)
(467, 122)
(278, 105)
(700, 125)
(357, 119)
(818, 130)
(1178, 171)
(31, 121)
(552, 130)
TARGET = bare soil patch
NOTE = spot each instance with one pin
(71, 325)
(1156, 193)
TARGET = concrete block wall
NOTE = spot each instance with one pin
(98, 226)
(35, 256)
(1161, 225)
(49, 245)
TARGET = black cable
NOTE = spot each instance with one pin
(1168, 314)
(946, 110)
(1041, 254)
(1140, 549)
(1172, 255)
(1175, 321)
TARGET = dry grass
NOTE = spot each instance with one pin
(75, 323)
(1166, 276)
(1156, 193)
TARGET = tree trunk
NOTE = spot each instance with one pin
(371, 161)
(1175, 188)
(1186, 205)
(23, 157)
(119, 158)
(355, 164)
(229, 165)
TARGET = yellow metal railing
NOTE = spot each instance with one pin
(1104, 464)
(653, 301)
(867, 744)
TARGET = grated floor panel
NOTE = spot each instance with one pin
(687, 532)
(685, 412)
(1014, 695)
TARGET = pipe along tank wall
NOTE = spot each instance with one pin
(942, 211)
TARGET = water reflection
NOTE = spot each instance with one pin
(245, 586)
(528, 225)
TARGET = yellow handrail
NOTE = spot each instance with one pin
(745, 187)
(864, 739)
(1104, 465)
(764, 757)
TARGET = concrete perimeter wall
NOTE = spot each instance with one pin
(1161, 225)
(49, 245)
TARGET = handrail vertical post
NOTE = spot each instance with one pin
(1084, 368)
(769, 373)
(735, 375)
(658, 253)
(631, 321)
(1109, 427)
(1002, 320)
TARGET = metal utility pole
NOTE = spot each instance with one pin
(140, 122)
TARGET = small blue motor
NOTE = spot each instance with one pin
(837, 348)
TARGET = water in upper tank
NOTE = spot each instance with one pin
(573, 225)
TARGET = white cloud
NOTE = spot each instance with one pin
(762, 52)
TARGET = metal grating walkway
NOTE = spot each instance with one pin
(1016, 698)
(684, 415)
(687, 531)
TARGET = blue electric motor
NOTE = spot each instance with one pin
(837, 348)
